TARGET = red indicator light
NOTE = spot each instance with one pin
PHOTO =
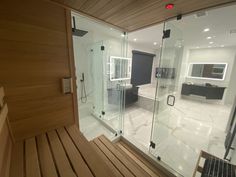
(169, 6)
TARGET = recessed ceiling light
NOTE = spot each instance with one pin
(135, 39)
(154, 43)
(122, 35)
(211, 42)
(206, 29)
(209, 37)
(197, 47)
(222, 45)
(111, 28)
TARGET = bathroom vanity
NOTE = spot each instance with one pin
(209, 92)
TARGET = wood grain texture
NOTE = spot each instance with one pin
(88, 153)
(17, 160)
(35, 54)
(76, 159)
(106, 160)
(3, 116)
(31, 159)
(47, 165)
(1, 96)
(128, 153)
(5, 169)
(147, 164)
(5, 137)
(124, 158)
(5, 150)
(129, 163)
(61, 160)
(131, 15)
(113, 159)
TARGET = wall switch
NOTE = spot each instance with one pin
(67, 86)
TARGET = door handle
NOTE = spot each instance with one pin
(169, 98)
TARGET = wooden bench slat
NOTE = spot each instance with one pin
(4, 169)
(45, 157)
(126, 152)
(134, 168)
(60, 157)
(88, 153)
(31, 158)
(17, 160)
(153, 168)
(4, 136)
(106, 160)
(3, 116)
(77, 161)
(113, 159)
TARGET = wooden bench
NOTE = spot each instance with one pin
(63, 152)
(122, 160)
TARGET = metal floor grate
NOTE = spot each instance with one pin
(214, 167)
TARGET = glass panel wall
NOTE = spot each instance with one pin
(100, 97)
(168, 79)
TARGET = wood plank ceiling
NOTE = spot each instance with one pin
(131, 15)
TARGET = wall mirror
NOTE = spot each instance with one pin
(120, 68)
(212, 71)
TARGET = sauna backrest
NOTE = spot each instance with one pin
(5, 137)
(3, 109)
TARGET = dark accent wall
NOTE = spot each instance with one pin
(141, 68)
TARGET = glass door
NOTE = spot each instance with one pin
(168, 73)
(98, 80)
(109, 93)
(114, 83)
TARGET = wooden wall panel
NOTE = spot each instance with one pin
(131, 15)
(35, 55)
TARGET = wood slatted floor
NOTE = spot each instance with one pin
(59, 153)
(123, 160)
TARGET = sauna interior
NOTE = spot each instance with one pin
(113, 88)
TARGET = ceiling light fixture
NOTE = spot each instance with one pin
(169, 6)
(209, 37)
(206, 29)
(122, 35)
(197, 47)
(211, 42)
(222, 46)
(135, 39)
(154, 43)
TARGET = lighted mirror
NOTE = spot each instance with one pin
(120, 68)
(212, 71)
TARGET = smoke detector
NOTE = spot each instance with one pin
(201, 14)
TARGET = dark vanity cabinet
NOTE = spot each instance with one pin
(131, 95)
(210, 92)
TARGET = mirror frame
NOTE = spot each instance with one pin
(112, 63)
(207, 78)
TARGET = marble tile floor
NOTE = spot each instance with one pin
(180, 133)
(92, 128)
